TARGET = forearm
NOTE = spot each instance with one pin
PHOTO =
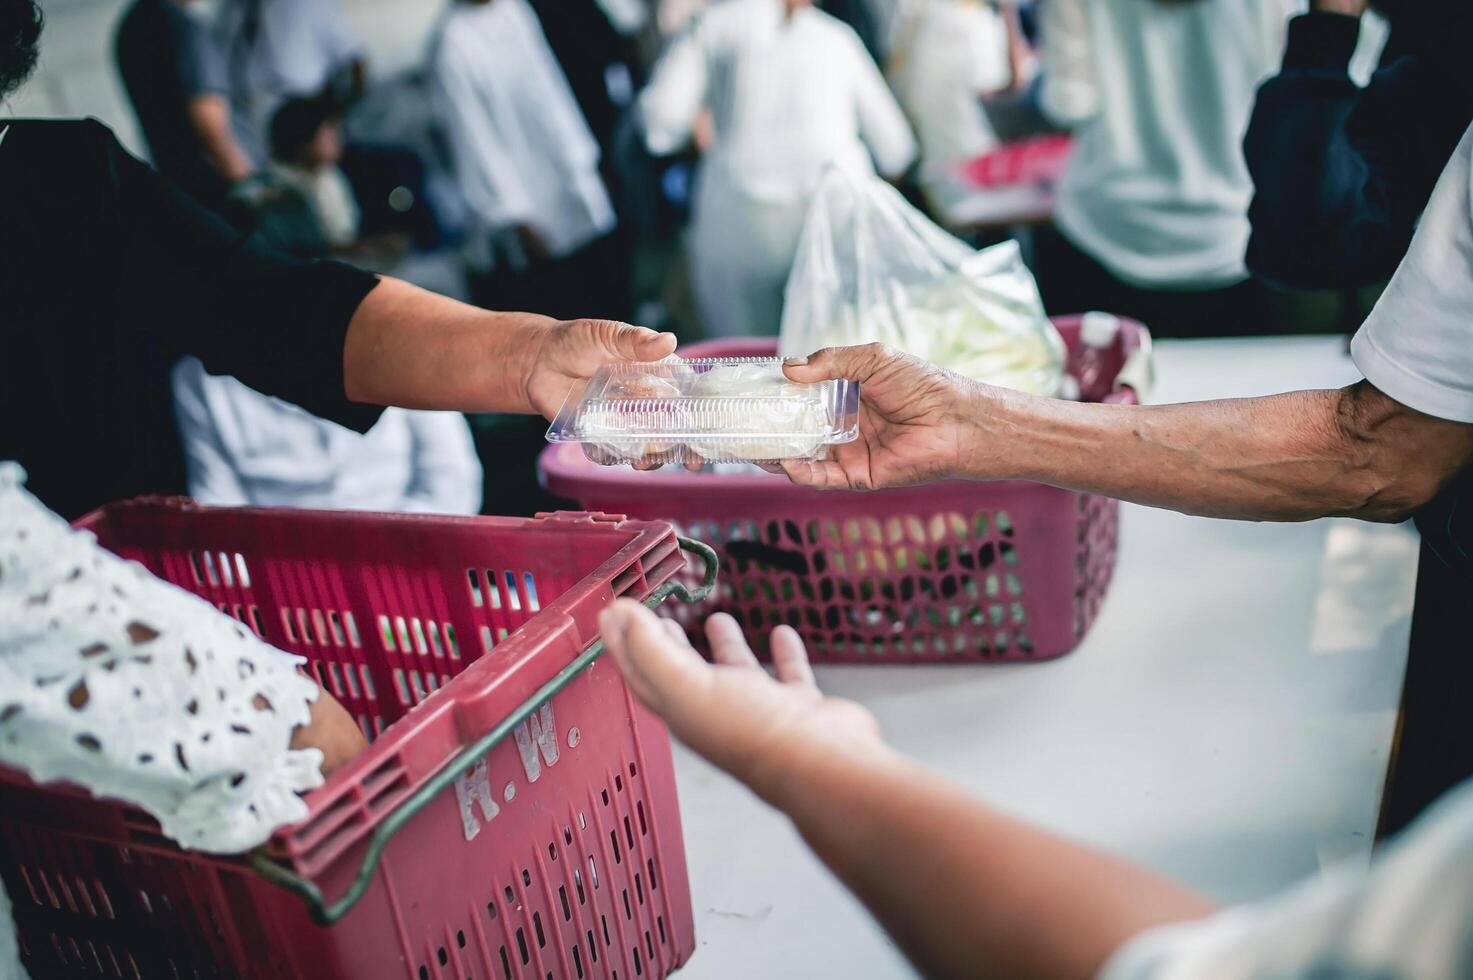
(415, 349)
(210, 117)
(1289, 457)
(965, 890)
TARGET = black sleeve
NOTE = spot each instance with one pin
(275, 323)
(1340, 173)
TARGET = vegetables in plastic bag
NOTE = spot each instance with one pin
(872, 268)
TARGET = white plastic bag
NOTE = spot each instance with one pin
(872, 268)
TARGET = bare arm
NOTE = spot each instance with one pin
(412, 348)
(965, 890)
(1297, 456)
(209, 115)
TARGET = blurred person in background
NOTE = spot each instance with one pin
(307, 148)
(177, 81)
(1341, 173)
(282, 49)
(526, 161)
(789, 90)
(1152, 211)
(243, 448)
(592, 42)
(948, 56)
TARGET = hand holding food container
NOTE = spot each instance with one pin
(738, 410)
(870, 270)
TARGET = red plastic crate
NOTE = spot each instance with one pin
(559, 854)
(949, 572)
(1034, 160)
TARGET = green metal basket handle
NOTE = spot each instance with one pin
(325, 913)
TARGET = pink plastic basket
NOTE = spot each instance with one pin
(446, 850)
(954, 571)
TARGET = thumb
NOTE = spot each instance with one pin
(655, 666)
(625, 342)
(854, 363)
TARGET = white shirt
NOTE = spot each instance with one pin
(1156, 189)
(242, 447)
(788, 95)
(523, 152)
(330, 197)
(947, 55)
(1417, 344)
(1410, 917)
(68, 614)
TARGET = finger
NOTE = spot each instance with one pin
(626, 342)
(855, 363)
(823, 474)
(790, 658)
(676, 631)
(659, 670)
(728, 645)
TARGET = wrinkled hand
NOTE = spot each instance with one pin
(759, 729)
(913, 419)
(570, 352)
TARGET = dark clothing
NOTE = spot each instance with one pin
(1434, 745)
(592, 282)
(860, 16)
(166, 59)
(1071, 281)
(591, 53)
(1341, 173)
(108, 275)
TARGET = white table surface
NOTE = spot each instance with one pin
(1227, 720)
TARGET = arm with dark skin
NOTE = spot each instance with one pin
(1352, 452)
(964, 889)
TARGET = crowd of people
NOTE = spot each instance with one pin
(236, 334)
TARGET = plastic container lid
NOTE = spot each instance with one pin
(719, 409)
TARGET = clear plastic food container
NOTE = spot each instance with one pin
(715, 409)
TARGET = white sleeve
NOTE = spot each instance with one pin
(1069, 94)
(488, 177)
(987, 50)
(882, 124)
(1417, 344)
(1411, 915)
(137, 690)
(213, 476)
(672, 100)
(446, 472)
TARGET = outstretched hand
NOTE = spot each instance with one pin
(757, 728)
(571, 351)
(914, 419)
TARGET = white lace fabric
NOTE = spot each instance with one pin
(137, 690)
